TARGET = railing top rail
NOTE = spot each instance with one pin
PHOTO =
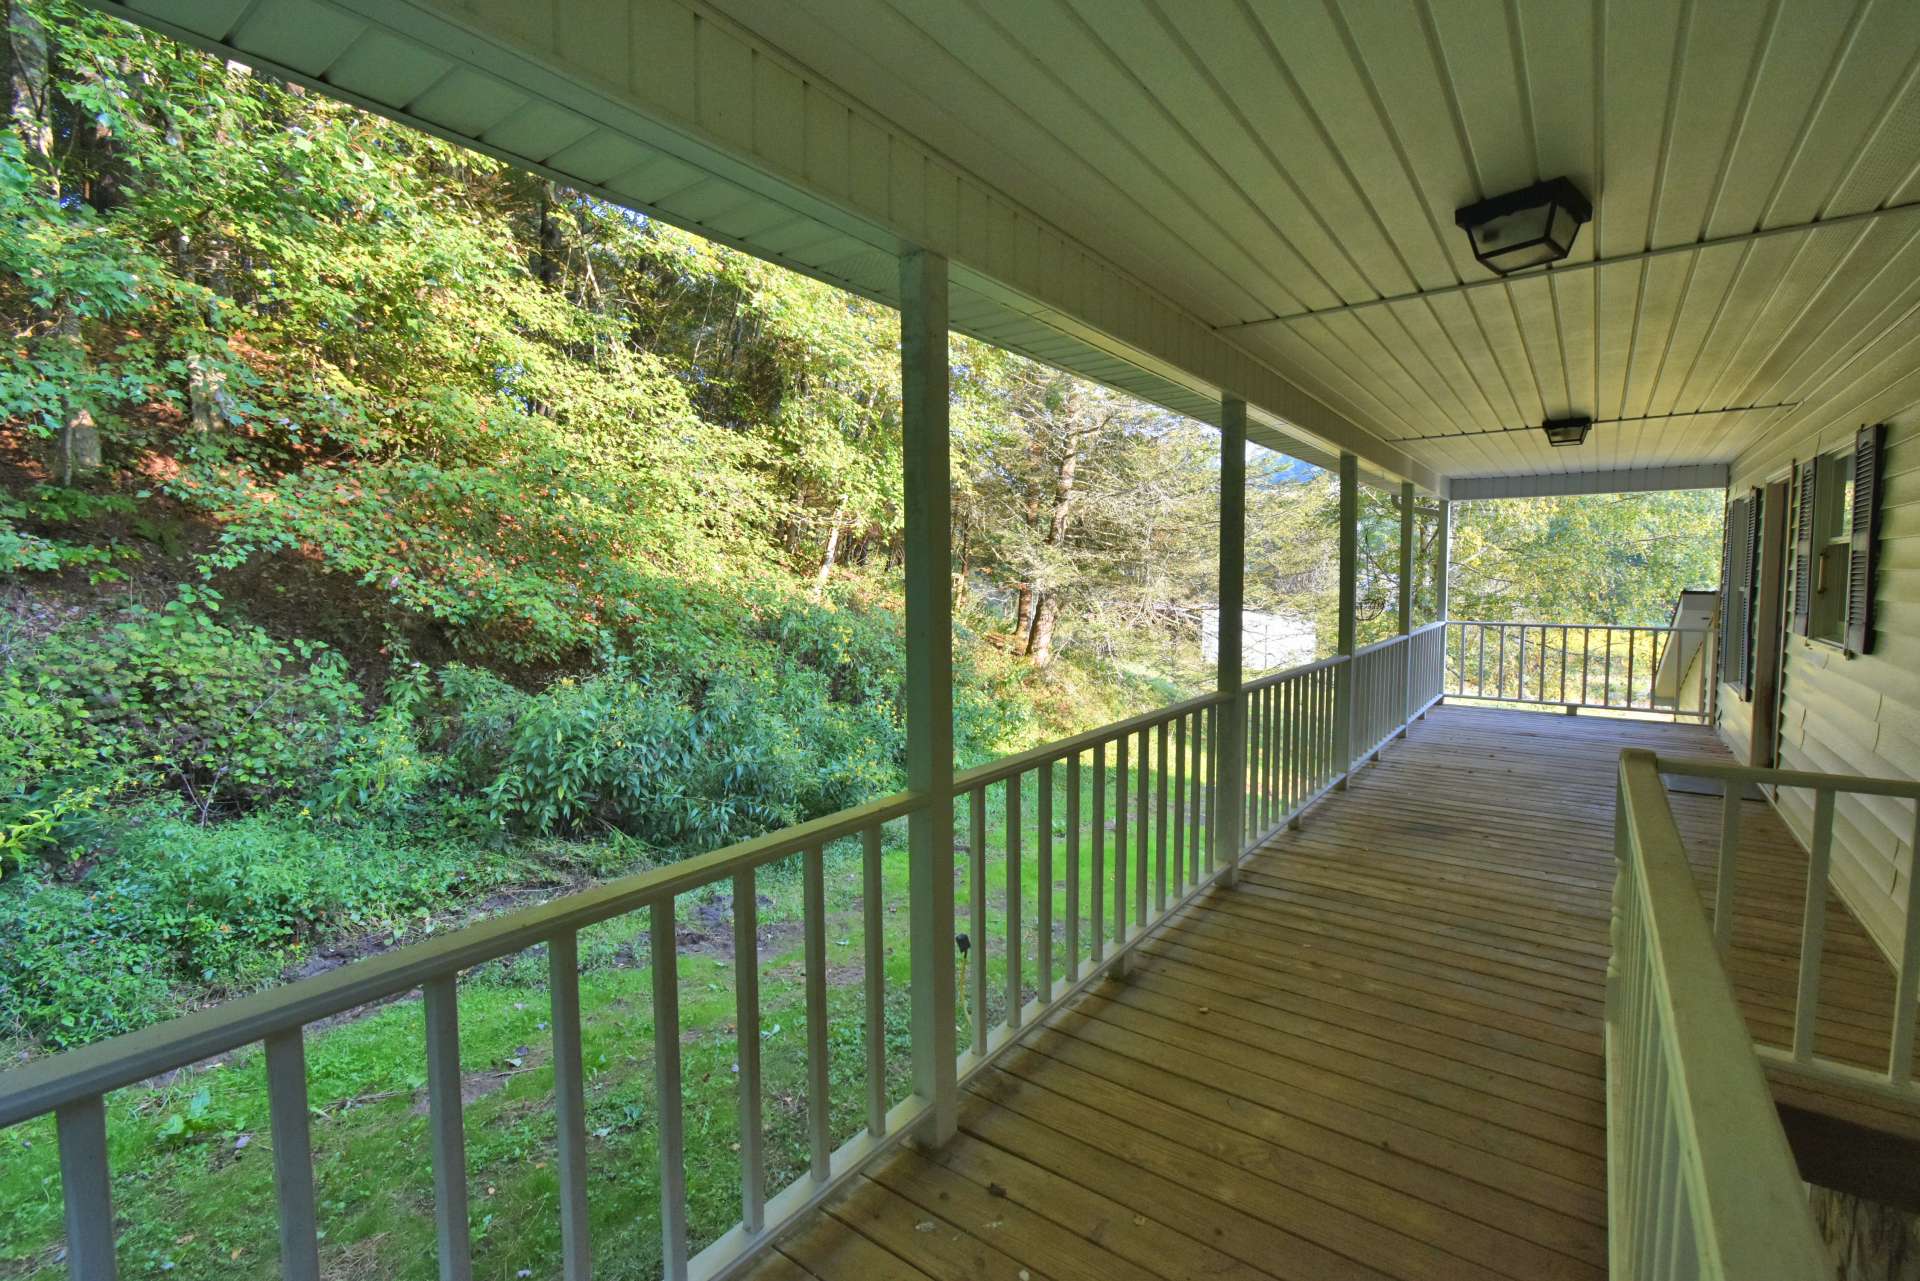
(1735, 1154)
(1019, 763)
(1007, 766)
(1598, 627)
(1702, 767)
(1379, 645)
(56, 1080)
(1304, 669)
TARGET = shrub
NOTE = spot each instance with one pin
(677, 768)
(52, 777)
(222, 713)
(74, 968)
(233, 903)
(182, 907)
(380, 768)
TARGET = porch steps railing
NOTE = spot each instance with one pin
(1827, 793)
(1701, 1182)
(1154, 853)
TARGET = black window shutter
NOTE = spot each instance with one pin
(1749, 575)
(1867, 446)
(1803, 551)
(1726, 591)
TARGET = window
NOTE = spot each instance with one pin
(1736, 592)
(1832, 507)
(1836, 529)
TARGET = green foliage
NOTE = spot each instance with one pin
(52, 775)
(24, 551)
(1604, 558)
(75, 968)
(59, 253)
(752, 748)
(189, 1122)
(174, 698)
(180, 907)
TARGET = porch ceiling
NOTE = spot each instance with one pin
(1247, 196)
(1260, 160)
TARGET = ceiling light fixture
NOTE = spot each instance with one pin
(1566, 431)
(1529, 228)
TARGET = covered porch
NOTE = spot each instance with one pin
(1380, 1054)
(1325, 976)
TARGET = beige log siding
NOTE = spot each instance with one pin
(1860, 714)
(1736, 720)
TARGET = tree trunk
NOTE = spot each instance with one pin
(1040, 648)
(76, 448)
(1022, 618)
(1063, 498)
(1046, 610)
(27, 105)
(1023, 605)
(206, 382)
(826, 561)
(547, 264)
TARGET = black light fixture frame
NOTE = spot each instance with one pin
(1562, 432)
(1553, 192)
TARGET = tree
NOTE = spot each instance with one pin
(1604, 558)
(31, 109)
(1083, 504)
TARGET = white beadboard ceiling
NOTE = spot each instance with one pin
(1253, 195)
(1271, 164)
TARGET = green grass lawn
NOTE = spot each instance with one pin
(192, 1160)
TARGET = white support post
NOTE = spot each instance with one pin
(1349, 579)
(929, 605)
(1900, 1054)
(1442, 567)
(1406, 602)
(1229, 756)
(1406, 558)
(1813, 926)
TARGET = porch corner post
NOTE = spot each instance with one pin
(929, 609)
(1349, 580)
(1231, 764)
(1406, 603)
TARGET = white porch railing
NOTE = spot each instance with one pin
(1291, 743)
(1160, 853)
(1901, 798)
(1700, 1180)
(1583, 665)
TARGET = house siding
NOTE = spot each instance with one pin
(1858, 714)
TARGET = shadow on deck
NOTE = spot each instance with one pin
(1378, 1056)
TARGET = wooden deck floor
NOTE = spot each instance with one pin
(1378, 1057)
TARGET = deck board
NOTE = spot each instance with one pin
(1378, 1057)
